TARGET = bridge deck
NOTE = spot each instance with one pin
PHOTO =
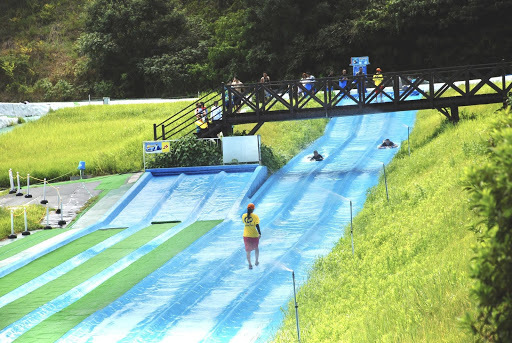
(444, 89)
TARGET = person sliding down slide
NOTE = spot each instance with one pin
(386, 144)
(316, 156)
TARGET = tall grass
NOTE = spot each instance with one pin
(108, 138)
(409, 279)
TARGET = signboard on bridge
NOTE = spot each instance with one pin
(359, 62)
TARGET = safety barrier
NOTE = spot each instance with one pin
(18, 191)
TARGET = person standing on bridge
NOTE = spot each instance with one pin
(265, 79)
(377, 80)
(343, 79)
(237, 95)
(252, 234)
(361, 84)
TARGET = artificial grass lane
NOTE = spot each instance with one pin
(19, 245)
(24, 305)
(61, 322)
(51, 260)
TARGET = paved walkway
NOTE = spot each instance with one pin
(74, 196)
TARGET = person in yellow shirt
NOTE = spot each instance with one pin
(252, 234)
(377, 80)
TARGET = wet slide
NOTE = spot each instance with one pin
(207, 293)
(178, 195)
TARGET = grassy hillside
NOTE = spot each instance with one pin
(409, 279)
(109, 139)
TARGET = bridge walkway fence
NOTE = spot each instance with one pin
(444, 89)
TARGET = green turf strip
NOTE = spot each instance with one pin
(107, 183)
(51, 260)
(24, 305)
(19, 245)
(57, 325)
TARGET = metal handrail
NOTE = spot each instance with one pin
(406, 90)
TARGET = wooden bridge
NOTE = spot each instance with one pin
(444, 89)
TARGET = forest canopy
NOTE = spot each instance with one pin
(67, 49)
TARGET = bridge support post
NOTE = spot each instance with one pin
(452, 114)
(455, 113)
(227, 129)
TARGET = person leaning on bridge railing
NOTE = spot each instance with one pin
(343, 81)
(237, 99)
(265, 79)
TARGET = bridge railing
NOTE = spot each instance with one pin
(439, 88)
(182, 123)
(428, 85)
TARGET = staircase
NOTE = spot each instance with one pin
(183, 123)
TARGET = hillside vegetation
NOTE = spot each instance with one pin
(109, 139)
(68, 49)
(410, 278)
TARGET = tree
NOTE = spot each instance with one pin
(491, 196)
(145, 47)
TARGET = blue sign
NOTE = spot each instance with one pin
(153, 147)
(359, 62)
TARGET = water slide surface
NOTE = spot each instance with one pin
(180, 194)
(207, 293)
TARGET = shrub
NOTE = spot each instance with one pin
(273, 161)
(187, 152)
(491, 189)
(103, 88)
(62, 90)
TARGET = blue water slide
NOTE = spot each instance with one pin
(207, 294)
(182, 189)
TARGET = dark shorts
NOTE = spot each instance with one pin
(251, 243)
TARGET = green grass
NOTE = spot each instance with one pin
(409, 279)
(108, 138)
(58, 324)
(24, 305)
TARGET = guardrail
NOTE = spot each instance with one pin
(444, 89)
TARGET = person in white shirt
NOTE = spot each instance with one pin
(215, 112)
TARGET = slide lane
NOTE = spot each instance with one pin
(79, 259)
(296, 235)
(162, 187)
(207, 292)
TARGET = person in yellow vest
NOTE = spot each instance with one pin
(201, 123)
(377, 80)
(252, 234)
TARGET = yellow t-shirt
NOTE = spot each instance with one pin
(250, 225)
(377, 79)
